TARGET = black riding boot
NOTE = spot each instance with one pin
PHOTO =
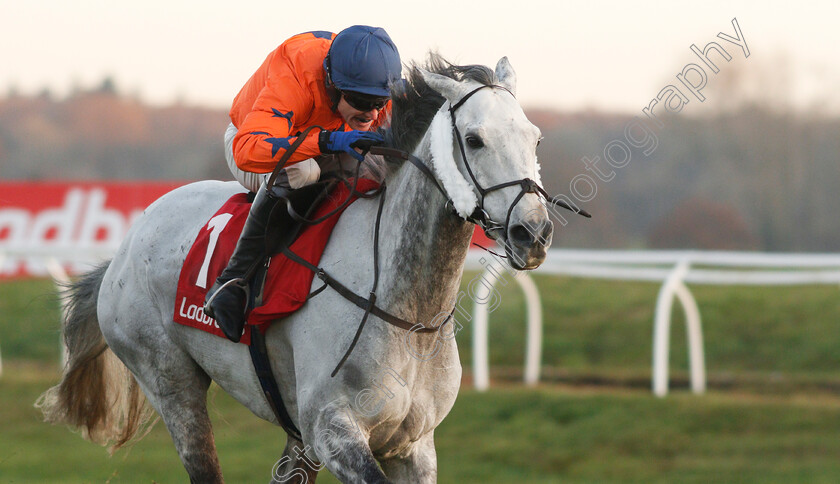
(227, 306)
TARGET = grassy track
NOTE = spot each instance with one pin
(29, 320)
(507, 435)
(605, 328)
(773, 414)
(592, 327)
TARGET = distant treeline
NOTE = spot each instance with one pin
(100, 134)
(746, 179)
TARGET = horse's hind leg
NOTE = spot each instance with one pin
(295, 467)
(177, 388)
(182, 401)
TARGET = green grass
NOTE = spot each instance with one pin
(606, 328)
(591, 326)
(29, 320)
(773, 413)
(509, 434)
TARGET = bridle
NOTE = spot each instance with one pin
(480, 216)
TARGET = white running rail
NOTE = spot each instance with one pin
(481, 365)
(674, 269)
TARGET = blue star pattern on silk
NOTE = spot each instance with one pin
(277, 143)
(287, 116)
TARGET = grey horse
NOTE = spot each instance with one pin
(374, 421)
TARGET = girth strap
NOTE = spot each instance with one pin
(257, 348)
(262, 365)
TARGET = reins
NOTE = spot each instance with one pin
(479, 217)
(367, 304)
(290, 209)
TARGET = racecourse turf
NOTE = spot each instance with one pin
(772, 413)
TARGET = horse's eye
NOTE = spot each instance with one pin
(474, 142)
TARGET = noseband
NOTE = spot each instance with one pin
(480, 216)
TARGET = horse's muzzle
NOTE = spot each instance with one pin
(527, 244)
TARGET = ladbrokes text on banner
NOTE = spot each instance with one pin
(67, 219)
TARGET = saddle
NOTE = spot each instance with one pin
(284, 228)
(281, 285)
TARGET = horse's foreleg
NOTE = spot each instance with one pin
(343, 448)
(295, 467)
(418, 466)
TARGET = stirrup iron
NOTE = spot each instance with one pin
(239, 282)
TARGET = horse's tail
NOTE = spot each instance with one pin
(97, 394)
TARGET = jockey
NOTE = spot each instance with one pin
(338, 82)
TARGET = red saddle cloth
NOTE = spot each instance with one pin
(287, 283)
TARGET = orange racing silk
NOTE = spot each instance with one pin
(283, 97)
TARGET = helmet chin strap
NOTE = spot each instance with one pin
(333, 93)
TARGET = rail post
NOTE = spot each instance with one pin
(533, 350)
(671, 288)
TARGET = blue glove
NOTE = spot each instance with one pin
(348, 141)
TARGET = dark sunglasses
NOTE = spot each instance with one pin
(364, 102)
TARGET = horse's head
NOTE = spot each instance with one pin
(484, 152)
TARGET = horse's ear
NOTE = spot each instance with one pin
(505, 75)
(445, 86)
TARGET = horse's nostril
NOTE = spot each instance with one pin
(548, 230)
(525, 236)
(520, 235)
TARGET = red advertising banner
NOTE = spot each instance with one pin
(62, 217)
(74, 223)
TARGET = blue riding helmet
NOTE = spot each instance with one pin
(363, 59)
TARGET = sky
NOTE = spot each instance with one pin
(608, 56)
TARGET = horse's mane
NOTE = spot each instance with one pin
(414, 103)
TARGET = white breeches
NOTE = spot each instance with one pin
(294, 176)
